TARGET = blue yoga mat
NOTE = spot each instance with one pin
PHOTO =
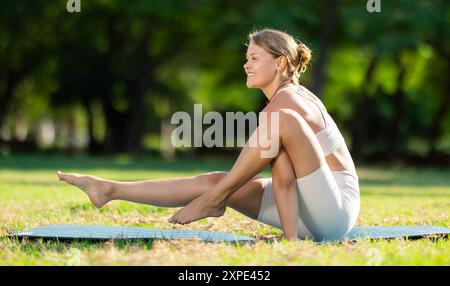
(387, 232)
(67, 232)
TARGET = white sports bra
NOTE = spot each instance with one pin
(330, 138)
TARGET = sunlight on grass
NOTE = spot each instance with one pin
(31, 195)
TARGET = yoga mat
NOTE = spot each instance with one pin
(68, 232)
(389, 232)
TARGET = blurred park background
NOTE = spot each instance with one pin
(108, 79)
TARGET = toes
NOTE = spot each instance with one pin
(172, 220)
(66, 178)
(61, 176)
(179, 219)
(182, 221)
(175, 218)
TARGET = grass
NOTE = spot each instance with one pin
(31, 195)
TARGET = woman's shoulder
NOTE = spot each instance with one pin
(286, 100)
(305, 103)
(311, 96)
(290, 98)
(294, 95)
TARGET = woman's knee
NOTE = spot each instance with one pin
(283, 181)
(283, 175)
(212, 178)
(289, 118)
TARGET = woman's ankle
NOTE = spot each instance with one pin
(110, 189)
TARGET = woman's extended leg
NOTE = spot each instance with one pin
(174, 192)
(296, 138)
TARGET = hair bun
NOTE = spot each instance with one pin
(304, 56)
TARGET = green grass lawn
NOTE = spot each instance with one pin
(31, 195)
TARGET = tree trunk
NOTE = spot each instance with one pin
(71, 133)
(328, 29)
(362, 106)
(6, 96)
(93, 144)
(116, 123)
(397, 101)
(141, 85)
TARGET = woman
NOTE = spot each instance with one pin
(314, 190)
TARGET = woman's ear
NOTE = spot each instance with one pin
(281, 63)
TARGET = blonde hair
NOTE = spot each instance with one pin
(279, 43)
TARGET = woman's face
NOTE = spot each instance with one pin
(260, 67)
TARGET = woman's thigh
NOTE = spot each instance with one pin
(300, 143)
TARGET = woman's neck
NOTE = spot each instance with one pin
(273, 87)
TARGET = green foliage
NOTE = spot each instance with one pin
(138, 62)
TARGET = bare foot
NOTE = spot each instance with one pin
(98, 190)
(198, 209)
